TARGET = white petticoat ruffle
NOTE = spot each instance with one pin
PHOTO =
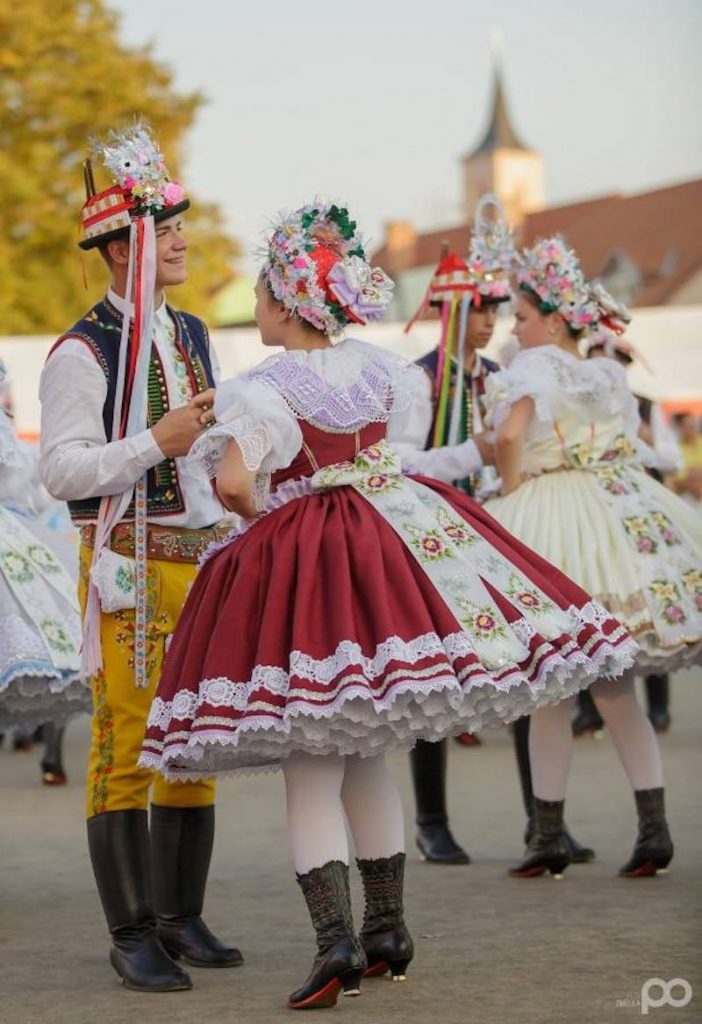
(425, 703)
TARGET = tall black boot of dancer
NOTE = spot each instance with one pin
(653, 850)
(340, 962)
(548, 848)
(588, 718)
(52, 770)
(579, 854)
(181, 848)
(386, 940)
(434, 839)
(119, 851)
(657, 688)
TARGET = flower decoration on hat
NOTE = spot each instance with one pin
(315, 264)
(551, 271)
(141, 185)
(492, 254)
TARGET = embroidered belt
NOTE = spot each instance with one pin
(164, 543)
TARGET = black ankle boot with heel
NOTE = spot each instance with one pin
(386, 940)
(548, 848)
(340, 962)
(653, 850)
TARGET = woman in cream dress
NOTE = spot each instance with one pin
(576, 491)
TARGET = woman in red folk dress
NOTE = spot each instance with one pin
(357, 608)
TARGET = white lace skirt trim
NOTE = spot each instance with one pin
(424, 703)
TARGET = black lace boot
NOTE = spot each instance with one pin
(520, 735)
(181, 848)
(588, 720)
(653, 849)
(657, 694)
(119, 851)
(548, 848)
(434, 839)
(387, 942)
(340, 962)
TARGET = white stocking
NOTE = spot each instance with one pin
(551, 749)
(630, 729)
(315, 814)
(373, 807)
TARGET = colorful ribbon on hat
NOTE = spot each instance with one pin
(130, 413)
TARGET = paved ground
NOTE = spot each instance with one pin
(489, 949)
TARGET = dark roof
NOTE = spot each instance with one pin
(500, 133)
(660, 232)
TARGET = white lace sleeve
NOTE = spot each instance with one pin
(527, 376)
(256, 417)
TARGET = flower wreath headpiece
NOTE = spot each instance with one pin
(315, 263)
(551, 271)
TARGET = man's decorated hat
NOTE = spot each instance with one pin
(315, 263)
(141, 186)
(484, 277)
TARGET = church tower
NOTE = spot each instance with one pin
(502, 164)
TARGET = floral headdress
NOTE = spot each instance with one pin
(315, 264)
(492, 255)
(141, 186)
(614, 318)
(551, 271)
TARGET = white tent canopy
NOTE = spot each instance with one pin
(668, 337)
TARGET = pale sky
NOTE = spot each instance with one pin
(372, 102)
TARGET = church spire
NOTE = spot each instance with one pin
(500, 133)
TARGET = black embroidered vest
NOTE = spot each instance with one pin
(430, 363)
(101, 330)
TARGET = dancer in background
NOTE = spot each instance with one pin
(444, 437)
(574, 488)
(359, 610)
(606, 343)
(39, 617)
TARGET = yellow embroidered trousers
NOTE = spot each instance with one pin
(120, 708)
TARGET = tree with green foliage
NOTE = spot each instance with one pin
(65, 77)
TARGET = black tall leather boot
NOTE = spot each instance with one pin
(653, 850)
(588, 718)
(434, 839)
(657, 693)
(52, 771)
(579, 854)
(181, 848)
(119, 851)
(340, 962)
(548, 848)
(385, 938)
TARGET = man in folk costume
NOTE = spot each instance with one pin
(124, 394)
(449, 425)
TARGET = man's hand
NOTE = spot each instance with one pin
(177, 430)
(486, 447)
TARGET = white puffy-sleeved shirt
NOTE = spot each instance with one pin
(77, 461)
(409, 436)
(584, 409)
(340, 388)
